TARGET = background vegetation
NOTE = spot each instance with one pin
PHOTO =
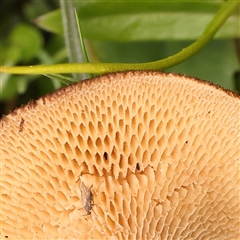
(114, 31)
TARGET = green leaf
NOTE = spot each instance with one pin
(144, 20)
(83, 47)
(27, 39)
(10, 55)
(51, 22)
(8, 87)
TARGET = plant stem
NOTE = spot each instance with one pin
(221, 16)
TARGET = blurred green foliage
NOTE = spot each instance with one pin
(144, 21)
(114, 31)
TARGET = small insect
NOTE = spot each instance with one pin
(87, 198)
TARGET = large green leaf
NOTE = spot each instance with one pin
(144, 20)
(28, 39)
(24, 43)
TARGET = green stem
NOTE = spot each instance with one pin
(221, 16)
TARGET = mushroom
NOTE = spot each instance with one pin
(164, 149)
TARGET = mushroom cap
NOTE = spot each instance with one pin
(161, 151)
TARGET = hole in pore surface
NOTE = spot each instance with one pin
(127, 114)
(98, 159)
(100, 128)
(138, 166)
(122, 162)
(118, 139)
(122, 220)
(88, 155)
(60, 171)
(121, 125)
(145, 158)
(139, 153)
(111, 223)
(98, 143)
(134, 143)
(90, 143)
(110, 129)
(131, 160)
(107, 141)
(105, 156)
(144, 141)
(114, 153)
(112, 210)
(132, 225)
(118, 202)
(126, 148)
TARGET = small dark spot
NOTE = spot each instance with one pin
(209, 111)
(21, 125)
(186, 142)
(6, 236)
(137, 166)
(105, 155)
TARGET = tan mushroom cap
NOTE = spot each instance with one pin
(161, 151)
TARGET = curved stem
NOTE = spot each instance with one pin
(221, 16)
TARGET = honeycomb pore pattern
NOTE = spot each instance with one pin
(158, 153)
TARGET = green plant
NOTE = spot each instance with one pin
(126, 32)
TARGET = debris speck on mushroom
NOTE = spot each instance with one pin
(165, 145)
